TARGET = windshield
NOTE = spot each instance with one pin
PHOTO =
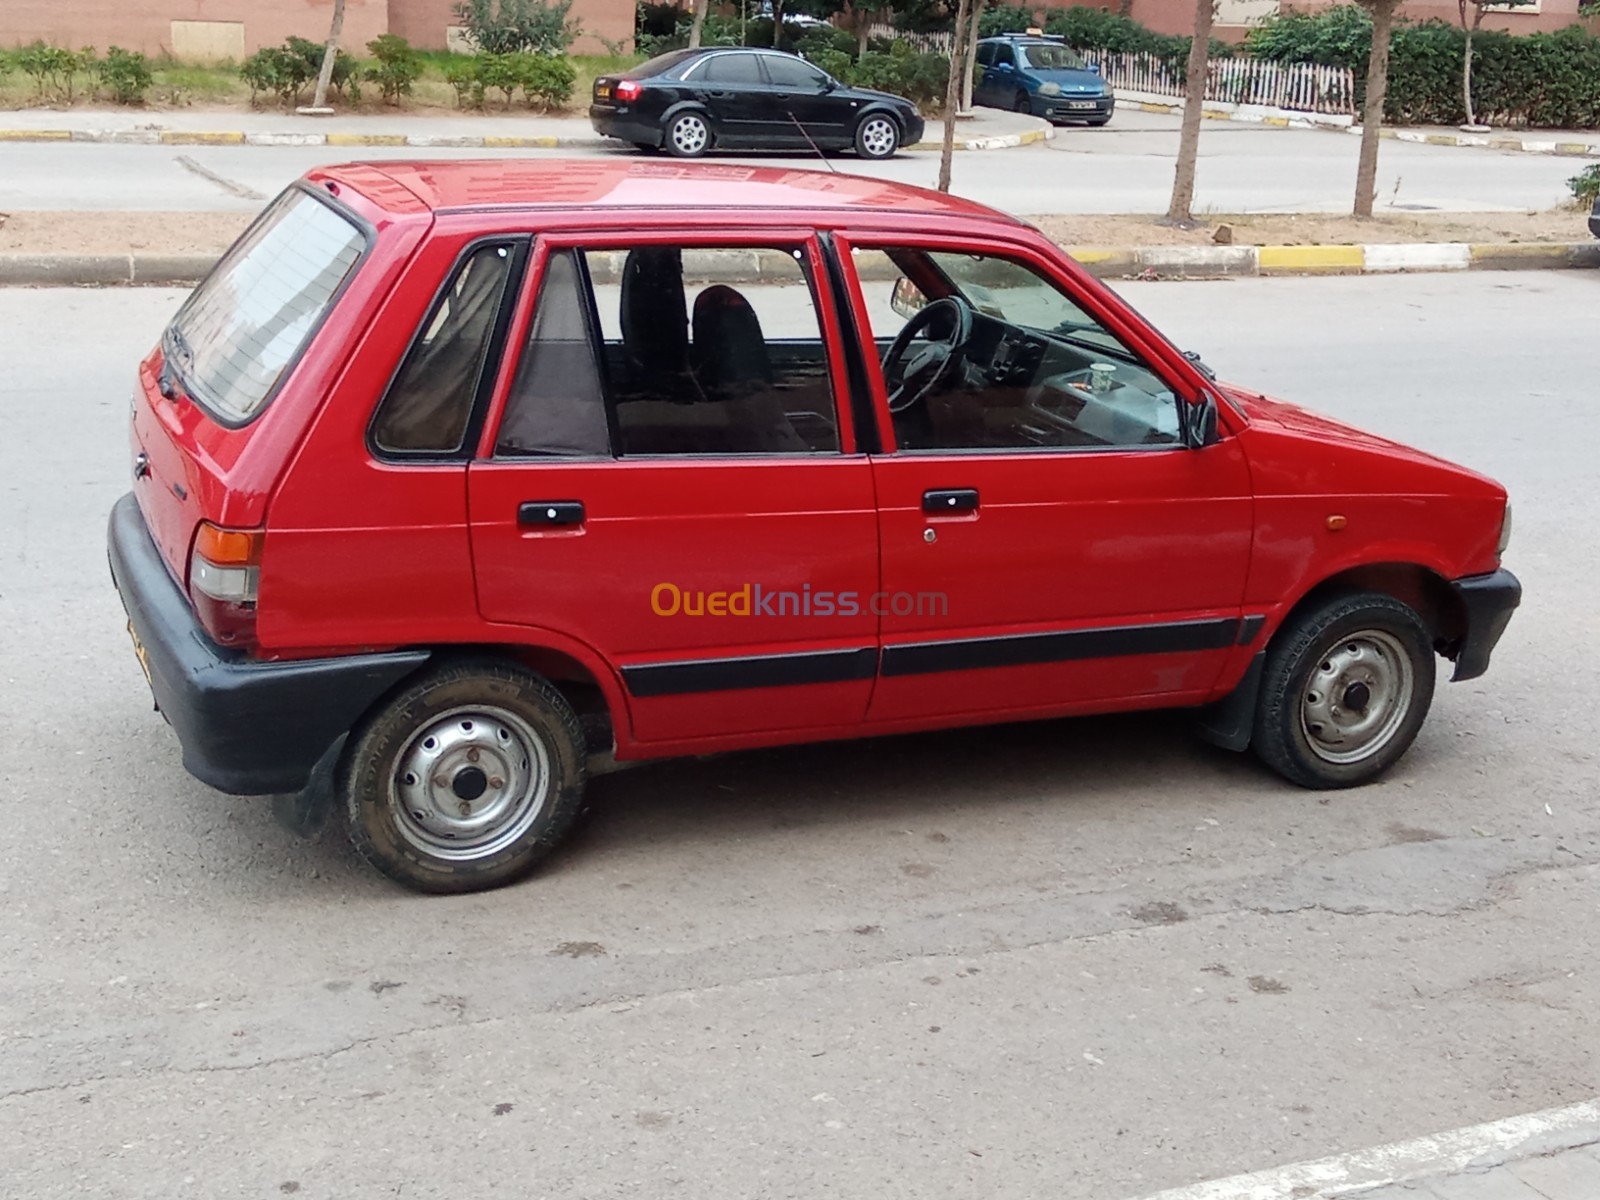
(1051, 58)
(246, 324)
(1013, 293)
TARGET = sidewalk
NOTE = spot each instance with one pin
(988, 129)
(1550, 1155)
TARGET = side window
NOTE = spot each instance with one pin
(792, 73)
(732, 68)
(557, 403)
(986, 353)
(985, 53)
(713, 350)
(1003, 56)
(429, 403)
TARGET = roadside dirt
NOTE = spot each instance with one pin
(193, 233)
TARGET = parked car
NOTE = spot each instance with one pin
(726, 98)
(1594, 218)
(1043, 77)
(462, 480)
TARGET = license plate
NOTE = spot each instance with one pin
(602, 90)
(141, 654)
(1081, 104)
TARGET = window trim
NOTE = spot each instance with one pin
(814, 267)
(696, 69)
(493, 362)
(369, 236)
(1021, 253)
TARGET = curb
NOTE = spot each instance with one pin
(1392, 259)
(179, 137)
(1107, 262)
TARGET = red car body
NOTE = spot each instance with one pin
(1103, 581)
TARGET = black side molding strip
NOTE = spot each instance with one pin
(923, 658)
(1249, 627)
(756, 671)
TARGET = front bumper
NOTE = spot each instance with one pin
(1488, 602)
(915, 128)
(247, 727)
(1063, 108)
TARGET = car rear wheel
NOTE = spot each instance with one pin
(1344, 691)
(1023, 104)
(688, 135)
(877, 137)
(465, 780)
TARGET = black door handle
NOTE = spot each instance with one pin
(546, 513)
(950, 500)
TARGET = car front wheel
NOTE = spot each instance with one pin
(1344, 691)
(465, 780)
(877, 137)
(1023, 104)
(688, 135)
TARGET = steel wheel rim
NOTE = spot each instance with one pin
(470, 783)
(1357, 697)
(878, 136)
(690, 134)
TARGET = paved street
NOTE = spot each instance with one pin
(1085, 960)
(1126, 167)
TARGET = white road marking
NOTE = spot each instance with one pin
(1485, 1146)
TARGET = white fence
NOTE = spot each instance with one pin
(1301, 87)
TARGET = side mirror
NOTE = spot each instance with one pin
(907, 299)
(829, 83)
(1200, 422)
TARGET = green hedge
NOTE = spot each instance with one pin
(1549, 80)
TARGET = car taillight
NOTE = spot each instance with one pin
(627, 89)
(224, 574)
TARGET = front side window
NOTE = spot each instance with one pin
(1003, 56)
(242, 328)
(792, 73)
(986, 353)
(429, 404)
(691, 350)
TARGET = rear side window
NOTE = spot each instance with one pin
(245, 326)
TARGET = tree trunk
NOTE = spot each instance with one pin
(863, 30)
(952, 94)
(329, 56)
(698, 25)
(969, 60)
(1179, 211)
(1125, 9)
(1466, 79)
(1372, 115)
(777, 23)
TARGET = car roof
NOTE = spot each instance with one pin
(612, 183)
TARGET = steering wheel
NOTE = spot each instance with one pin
(910, 378)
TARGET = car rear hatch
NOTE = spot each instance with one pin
(205, 391)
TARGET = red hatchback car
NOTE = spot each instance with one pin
(465, 479)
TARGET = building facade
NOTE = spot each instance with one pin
(215, 30)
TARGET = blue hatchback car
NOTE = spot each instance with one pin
(1040, 76)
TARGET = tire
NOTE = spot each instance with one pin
(1344, 691)
(1023, 104)
(688, 135)
(877, 137)
(646, 148)
(482, 733)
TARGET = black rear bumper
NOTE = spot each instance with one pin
(1488, 601)
(247, 727)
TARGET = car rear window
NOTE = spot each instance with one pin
(660, 63)
(242, 328)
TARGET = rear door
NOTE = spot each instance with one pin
(668, 482)
(734, 91)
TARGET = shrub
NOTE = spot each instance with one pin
(902, 71)
(1585, 185)
(274, 70)
(510, 26)
(462, 75)
(499, 72)
(53, 69)
(547, 82)
(1008, 18)
(659, 20)
(397, 68)
(126, 75)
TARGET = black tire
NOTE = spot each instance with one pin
(470, 733)
(877, 136)
(646, 148)
(1321, 720)
(1023, 104)
(688, 135)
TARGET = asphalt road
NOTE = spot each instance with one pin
(1080, 959)
(1125, 167)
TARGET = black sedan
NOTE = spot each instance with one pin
(722, 97)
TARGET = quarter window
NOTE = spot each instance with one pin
(429, 404)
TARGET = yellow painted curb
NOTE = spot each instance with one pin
(1574, 148)
(1276, 122)
(1144, 106)
(509, 141)
(179, 137)
(1484, 251)
(1034, 135)
(366, 139)
(35, 135)
(1103, 255)
(1310, 258)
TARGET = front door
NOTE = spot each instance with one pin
(799, 97)
(667, 481)
(1048, 539)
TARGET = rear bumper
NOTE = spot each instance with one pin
(247, 727)
(624, 124)
(1488, 601)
